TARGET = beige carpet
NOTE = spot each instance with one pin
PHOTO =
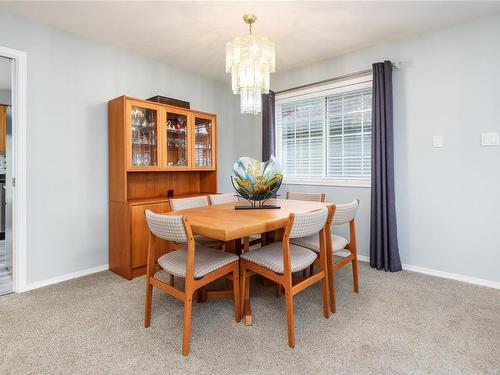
(403, 323)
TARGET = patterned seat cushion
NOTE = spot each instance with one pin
(312, 242)
(206, 260)
(271, 257)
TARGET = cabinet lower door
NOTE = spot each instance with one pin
(140, 233)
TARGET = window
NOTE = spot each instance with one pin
(323, 133)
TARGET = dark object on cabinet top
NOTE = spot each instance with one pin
(170, 101)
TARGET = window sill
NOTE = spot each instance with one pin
(335, 183)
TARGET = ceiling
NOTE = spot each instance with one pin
(192, 35)
(5, 74)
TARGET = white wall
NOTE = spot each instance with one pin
(5, 97)
(448, 200)
(70, 80)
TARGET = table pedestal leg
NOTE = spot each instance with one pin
(247, 307)
(233, 247)
(200, 294)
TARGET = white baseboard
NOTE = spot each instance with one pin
(68, 276)
(452, 276)
(344, 253)
(437, 273)
(362, 258)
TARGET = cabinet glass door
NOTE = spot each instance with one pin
(177, 140)
(144, 136)
(203, 142)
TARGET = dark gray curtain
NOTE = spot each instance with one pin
(268, 141)
(384, 252)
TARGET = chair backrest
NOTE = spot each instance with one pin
(312, 197)
(223, 198)
(344, 213)
(170, 228)
(185, 203)
(306, 224)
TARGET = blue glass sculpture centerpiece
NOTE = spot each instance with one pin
(256, 181)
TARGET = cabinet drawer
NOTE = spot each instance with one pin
(140, 233)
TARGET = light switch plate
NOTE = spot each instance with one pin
(489, 139)
(437, 141)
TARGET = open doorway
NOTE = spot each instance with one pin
(13, 78)
(6, 249)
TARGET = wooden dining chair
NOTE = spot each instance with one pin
(343, 214)
(223, 198)
(197, 264)
(277, 261)
(312, 197)
(177, 204)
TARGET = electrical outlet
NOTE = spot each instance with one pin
(437, 141)
(489, 139)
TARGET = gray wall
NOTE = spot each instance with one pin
(448, 199)
(5, 97)
(70, 80)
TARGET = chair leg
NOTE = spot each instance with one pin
(278, 290)
(355, 274)
(172, 281)
(236, 292)
(331, 285)
(289, 317)
(331, 282)
(188, 306)
(326, 308)
(311, 270)
(323, 263)
(147, 308)
(243, 282)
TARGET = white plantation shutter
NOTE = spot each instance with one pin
(302, 138)
(349, 134)
(324, 134)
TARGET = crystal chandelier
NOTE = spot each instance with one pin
(250, 60)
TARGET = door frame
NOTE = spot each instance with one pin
(19, 101)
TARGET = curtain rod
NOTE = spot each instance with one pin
(338, 78)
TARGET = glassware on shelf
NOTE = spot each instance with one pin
(177, 142)
(203, 142)
(141, 159)
(152, 138)
(144, 137)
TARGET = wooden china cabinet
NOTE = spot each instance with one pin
(153, 148)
